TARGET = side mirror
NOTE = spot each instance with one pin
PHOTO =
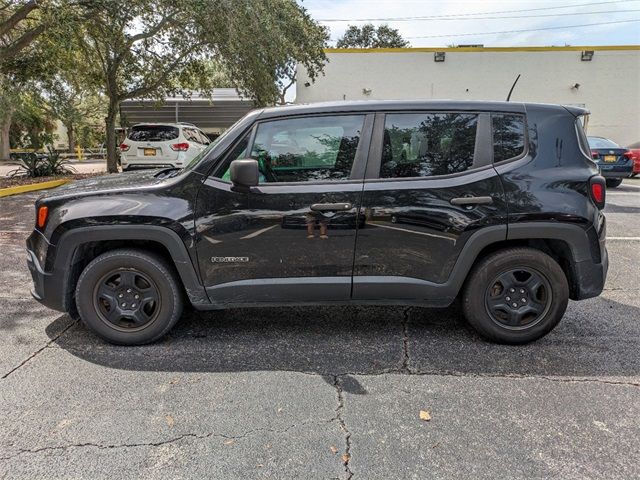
(244, 175)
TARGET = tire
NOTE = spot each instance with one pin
(613, 182)
(141, 282)
(533, 283)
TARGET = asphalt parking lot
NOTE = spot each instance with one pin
(323, 392)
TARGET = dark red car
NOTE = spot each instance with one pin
(634, 149)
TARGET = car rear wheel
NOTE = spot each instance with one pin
(613, 182)
(515, 296)
(129, 297)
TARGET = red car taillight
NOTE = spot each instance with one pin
(594, 155)
(124, 147)
(597, 190)
(180, 147)
(628, 154)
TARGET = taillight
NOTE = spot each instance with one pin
(43, 214)
(180, 147)
(597, 190)
(594, 155)
(628, 154)
(124, 147)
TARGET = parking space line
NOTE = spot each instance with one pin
(624, 238)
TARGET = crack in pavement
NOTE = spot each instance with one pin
(197, 436)
(346, 457)
(37, 352)
(405, 340)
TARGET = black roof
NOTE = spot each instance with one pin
(391, 105)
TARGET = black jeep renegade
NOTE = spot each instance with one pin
(495, 204)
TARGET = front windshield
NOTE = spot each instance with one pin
(195, 160)
(191, 165)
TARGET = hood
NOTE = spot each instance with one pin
(106, 183)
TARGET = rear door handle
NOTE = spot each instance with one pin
(471, 201)
(330, 207)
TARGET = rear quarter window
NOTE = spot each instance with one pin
(508, 136)
(153, 133)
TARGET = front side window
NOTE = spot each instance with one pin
(428, 144)
(307, 149)
(508, 136)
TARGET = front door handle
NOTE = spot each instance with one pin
(471, 201)
(330, 207)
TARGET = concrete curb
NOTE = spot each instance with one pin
(5, 192)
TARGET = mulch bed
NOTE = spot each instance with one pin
(16, 181)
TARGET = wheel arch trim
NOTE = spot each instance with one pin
(72, 239)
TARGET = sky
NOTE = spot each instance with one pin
(458, 17)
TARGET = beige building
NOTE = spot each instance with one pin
(604, 79)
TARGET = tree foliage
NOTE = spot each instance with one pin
(155, 48)
(369, 36)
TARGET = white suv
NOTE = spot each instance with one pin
(156, 145)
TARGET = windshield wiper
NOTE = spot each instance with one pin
(167, 172)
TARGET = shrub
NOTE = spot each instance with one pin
(37, 165)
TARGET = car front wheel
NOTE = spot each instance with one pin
(515, 295)
(129, 297)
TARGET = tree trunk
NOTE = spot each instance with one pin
(71, 137)
(5, 125)
(112, 150)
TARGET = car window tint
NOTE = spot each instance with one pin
(428, 144)
(307, 149)
(153, 133)
(508, 136)
(599, 142)
(191, 135)
(203, 138)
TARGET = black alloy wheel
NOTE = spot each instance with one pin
(127, 299)
(518, 298)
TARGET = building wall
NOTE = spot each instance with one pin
(609, 83)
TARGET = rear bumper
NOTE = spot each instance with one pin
(614, 171)
(129, 161)
(591, 276)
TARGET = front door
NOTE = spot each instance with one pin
(430, 185)
(292, 238)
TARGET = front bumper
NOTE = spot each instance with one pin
(48, 287)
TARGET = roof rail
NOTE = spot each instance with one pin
(187, 123)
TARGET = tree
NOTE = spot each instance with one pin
(73, 103)
(153, 48)
(368, 36)
(20, 24)
(32, 33)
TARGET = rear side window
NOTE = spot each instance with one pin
(153, 133)
(191, 135)
(508, 136)
(428, 144)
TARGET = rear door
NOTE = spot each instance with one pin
(430, 186)
(292, 238)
